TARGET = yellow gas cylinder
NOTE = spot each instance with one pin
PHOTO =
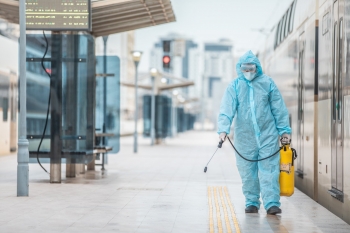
(286, 171)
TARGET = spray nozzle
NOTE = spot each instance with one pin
(220, 143)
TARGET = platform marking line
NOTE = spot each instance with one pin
(211, 219)
(233, 214)
(218, 214)
(223, 203)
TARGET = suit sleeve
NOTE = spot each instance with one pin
(227, 110)
(279, 111)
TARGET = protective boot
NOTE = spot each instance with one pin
(274, 210)
(251, 209)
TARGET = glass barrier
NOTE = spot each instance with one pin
(67, 110)
(107, 113)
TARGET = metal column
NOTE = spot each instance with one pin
(136, 109)
(153, 111)
(23, 153)
(104, 141)
(56, 108)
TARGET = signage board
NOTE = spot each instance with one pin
(58, 15)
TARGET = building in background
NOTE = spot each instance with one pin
(121, 45)
(185, 61)
(219, 71)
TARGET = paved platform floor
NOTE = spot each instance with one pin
(160, 189)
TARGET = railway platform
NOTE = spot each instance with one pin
(159, 189)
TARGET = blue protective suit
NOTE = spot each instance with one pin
(260, 117)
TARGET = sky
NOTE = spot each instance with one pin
(211, 20)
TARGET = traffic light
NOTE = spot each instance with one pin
(166, 46)
(166, 61)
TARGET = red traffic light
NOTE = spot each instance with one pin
(166, 59)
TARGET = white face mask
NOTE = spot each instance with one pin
(249, 76)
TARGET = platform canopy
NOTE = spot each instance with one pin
(112, 16)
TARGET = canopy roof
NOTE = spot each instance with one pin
(112, 16)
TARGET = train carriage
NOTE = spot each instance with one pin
(308, 55)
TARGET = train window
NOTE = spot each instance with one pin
(286, 28)
(334, 115)
(325, 24)
(282, 28)
(278, 32)
(291, 22)
(276, 36)
(5, 106)
(340, 83)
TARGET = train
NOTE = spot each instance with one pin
(8, 100)
(307, 54)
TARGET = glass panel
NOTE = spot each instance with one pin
(286, 28)
(282, 28)
(69, 63)
(334, 112)
(147, 101)
(300, 81)
(163, 116)
(291, 22)
(5, 109)
(180, 116)
(107, 115)
(340, 83)
(325, 23)
(277, 33)
(38, 91)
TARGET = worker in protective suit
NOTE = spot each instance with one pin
(261, 117)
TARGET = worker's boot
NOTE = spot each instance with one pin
(251, 209)
(274, 210)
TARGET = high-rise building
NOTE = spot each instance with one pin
(218, 72)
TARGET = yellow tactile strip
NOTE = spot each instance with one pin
(218, 194)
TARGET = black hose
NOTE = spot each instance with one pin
(48, 105)
(253, 160)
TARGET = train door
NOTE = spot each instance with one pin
(337, 103)
(301, 94)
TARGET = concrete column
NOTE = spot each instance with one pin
(91, 165)
(80, 168)
(70, 170)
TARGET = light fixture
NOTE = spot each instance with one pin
(175, 92)
(154, 72)
(136, 56)
(164, 80)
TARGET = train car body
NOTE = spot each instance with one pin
(8, 99)
(308, 56)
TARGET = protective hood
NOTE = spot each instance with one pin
(249, 57)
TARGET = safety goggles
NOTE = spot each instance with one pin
(248, 67)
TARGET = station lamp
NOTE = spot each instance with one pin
(154, 73)
(136, 57)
